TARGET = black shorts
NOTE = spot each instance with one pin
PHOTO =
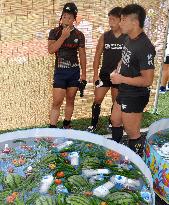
(66, 77)
(166, 60)
(105, 78)
(133, 104)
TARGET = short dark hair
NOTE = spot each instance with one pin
(116, 11)
(135, 9)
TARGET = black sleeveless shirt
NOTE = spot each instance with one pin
(112, 51)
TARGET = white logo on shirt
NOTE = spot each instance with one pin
(76, 40)
(150, 59)
(126, 54)
(124, 106)
(113, 46)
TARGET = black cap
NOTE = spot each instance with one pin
(70, 8)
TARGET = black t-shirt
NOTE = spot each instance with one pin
(112, 51)
(66, 56)
(138, 54)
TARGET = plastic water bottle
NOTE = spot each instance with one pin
(103, 190)
(92, 172)
(45, 183)
(74, 158)
(146, 196)
(64, 144)
(61, 189)
(95, 178)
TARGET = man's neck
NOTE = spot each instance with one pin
(135, 33)
(71, 27)
(117, 33)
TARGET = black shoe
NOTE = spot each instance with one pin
(109, 128)
(91, 129)
(124, 140)
(138, 145)
(52, 126)
(67, 127)
(162, 90)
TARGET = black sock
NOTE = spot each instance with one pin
(52, 126)
(117, 133)
(95, 114)
(110, 116)
(110, 120)
(137, 145)
(112, 108)
(66, 123)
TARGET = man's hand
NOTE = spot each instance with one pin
(82, 77)
(82, 86)
(66, 32)
(116, 78)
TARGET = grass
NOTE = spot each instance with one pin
(148, 118)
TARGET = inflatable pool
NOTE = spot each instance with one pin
(68, 167)
(157, 157)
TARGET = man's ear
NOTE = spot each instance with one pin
(136, 23)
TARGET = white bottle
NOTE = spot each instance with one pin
(61, 189)
(45, 183)
(6, 146)
(132, 184)
(93, 179)
(119, 179)
(64, 144)
(103, 190)
(74, 158)
(93, 172)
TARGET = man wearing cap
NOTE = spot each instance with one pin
(66, 42)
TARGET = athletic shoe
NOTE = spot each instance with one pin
(124, 140)
(162, 90)
(138, 145)
(67, 127)
(109, 128)
(91, 129)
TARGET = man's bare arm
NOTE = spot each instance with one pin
(53, 45)
(97, 57)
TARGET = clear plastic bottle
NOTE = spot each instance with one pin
(64, 145)
(61, 189)
(74, 158)
(103, 190)
(146, 196)
(45, 183)
(92, 172)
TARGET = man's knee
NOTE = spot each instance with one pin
(116, 123)
(132, 133)
(98, 100)
(70, 99)
(56, 105)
